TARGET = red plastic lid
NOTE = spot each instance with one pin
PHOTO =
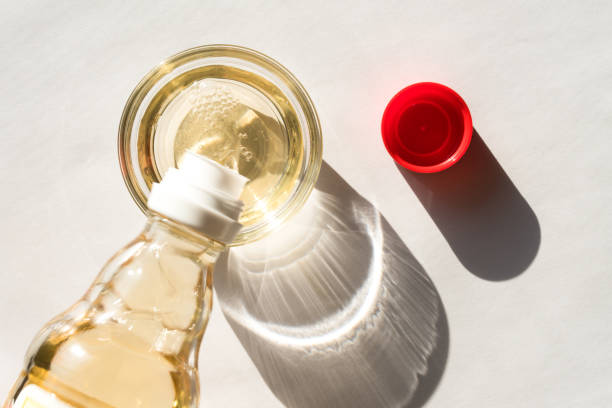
(426, 127)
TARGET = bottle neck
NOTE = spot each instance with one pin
(173, 283)
(162, 229)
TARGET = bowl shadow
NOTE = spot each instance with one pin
(484, 218)
(333, 308)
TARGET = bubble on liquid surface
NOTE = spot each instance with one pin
(225, 121)
(211, 120)
(233, 124)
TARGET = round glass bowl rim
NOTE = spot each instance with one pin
(313, 154)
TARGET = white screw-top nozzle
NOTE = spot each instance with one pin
(202, 195)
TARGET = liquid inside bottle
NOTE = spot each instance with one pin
(133, 339)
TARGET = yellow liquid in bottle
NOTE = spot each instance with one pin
(133, 340)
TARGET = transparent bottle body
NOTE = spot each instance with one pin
(132, 340)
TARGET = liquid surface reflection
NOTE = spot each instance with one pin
(333, 308)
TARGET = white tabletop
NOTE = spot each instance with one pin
(484, 286)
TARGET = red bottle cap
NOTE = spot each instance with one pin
(426, 127)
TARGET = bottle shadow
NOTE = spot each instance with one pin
(333, 308)
(486, 221)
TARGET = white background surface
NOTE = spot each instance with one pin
(536, 76)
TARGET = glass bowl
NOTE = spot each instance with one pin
(236, 106)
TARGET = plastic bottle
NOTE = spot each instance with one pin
(133, 339)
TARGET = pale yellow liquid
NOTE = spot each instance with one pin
(133, 340)
(234, 117)
(107, 366)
